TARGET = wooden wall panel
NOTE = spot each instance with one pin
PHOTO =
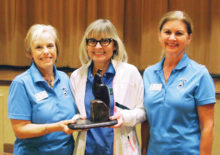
(132, 30)
(199, 11)
(72, 31)
(116, 14)
(214, 50)
(150, 46)
(11, 41)
(135, 20)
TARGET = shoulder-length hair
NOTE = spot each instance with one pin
(105, 29)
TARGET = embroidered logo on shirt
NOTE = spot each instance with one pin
(155, 87)
(182, 83)
(41, 95)
(64, 91)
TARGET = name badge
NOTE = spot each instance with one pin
(41, 95)
(155, 87)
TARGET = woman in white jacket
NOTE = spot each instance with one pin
(101, 48)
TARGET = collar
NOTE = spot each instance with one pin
(37, 76)
(110, 70)
(182, 64)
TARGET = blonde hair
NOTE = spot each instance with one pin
(177, 15)
(33, 34)
(102, 28)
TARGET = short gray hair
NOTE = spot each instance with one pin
(34, 32)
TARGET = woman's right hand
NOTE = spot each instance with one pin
(26, 129)
(64, 126)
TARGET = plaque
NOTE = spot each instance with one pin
(100, 107)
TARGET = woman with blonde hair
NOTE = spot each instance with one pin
(101, 48)
(40, 102)
(179, 95)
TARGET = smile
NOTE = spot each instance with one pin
(46, 58)
(99, 53)
(172, 45)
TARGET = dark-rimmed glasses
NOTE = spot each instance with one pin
(103, 42)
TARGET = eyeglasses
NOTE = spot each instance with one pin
(103, 42)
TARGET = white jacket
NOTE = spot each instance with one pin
(128, 90)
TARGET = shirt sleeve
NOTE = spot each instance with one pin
(19, 106)
(137, 115)
(205, 92)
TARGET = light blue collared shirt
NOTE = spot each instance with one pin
(30, 98)
(172, 107)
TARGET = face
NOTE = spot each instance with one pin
(43, 51)
(100, 54)
(174, 37)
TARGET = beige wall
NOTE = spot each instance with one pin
(7, 135)
(216, 148)
(6, 132)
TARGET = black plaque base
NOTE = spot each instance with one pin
(87, 124)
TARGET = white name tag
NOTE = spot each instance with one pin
(155, 87)
(41, 95)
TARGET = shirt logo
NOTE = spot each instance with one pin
(155, 87)
(182, 83)
(64, 91)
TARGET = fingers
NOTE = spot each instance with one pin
(64, 126)
(82, 117)
(119, 118)
(66, 122)
(68, 130)
(78, 116)
(115, 116)
(117, 125)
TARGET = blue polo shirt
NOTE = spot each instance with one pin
(99, 141)
(172, 107)
(30, 98)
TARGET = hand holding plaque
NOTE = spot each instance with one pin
(100, 107)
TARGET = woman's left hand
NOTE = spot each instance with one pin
(117, 116)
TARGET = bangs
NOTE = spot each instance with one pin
(38, 34)
(100, 32)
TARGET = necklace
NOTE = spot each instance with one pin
(50, 83)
